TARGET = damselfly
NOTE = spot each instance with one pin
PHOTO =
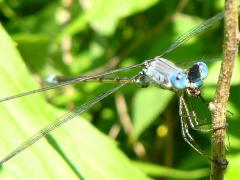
(158, 71)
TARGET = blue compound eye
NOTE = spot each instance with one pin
(203, 70)
(179, 80)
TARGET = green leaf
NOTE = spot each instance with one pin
(161, 171)
(214, 72)
(147, 105)
(27, 45)
(233, 167)
(103, 15)
(76, 151)
(211, 81)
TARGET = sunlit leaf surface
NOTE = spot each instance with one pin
(78, 150)
(81, 37)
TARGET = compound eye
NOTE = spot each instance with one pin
(179, 80)
(179, 77)
(203, 70)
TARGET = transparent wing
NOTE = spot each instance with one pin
(188, 35)
(188, 63)
(60, 121)
(72, 81)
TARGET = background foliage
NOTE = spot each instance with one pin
(132, 134)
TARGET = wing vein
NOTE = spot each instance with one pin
(60, 121)
(72, 81)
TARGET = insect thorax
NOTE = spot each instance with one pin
(158, 73)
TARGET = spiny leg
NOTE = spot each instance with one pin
(193, 120)
(185, 133)
(189, 139)
(193, 117)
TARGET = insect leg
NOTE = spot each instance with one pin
(193, 120)
(185, 132)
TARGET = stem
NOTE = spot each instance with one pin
(219, 104)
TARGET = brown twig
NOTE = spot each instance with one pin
(126, 123)
(123, 113)
(114, 131)
(218, 107)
